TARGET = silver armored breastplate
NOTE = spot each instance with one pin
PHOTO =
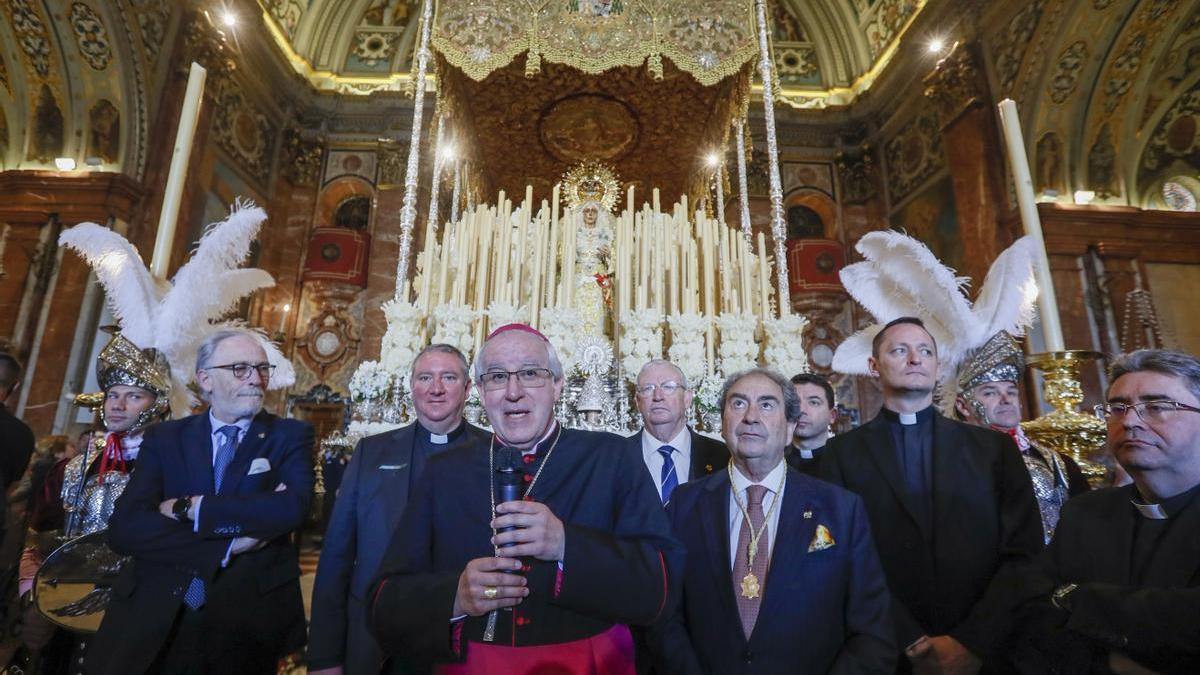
(89, 503)
(1049, 486)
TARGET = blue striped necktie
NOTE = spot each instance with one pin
(670, 479)
(194, 597)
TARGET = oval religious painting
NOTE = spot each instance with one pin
(588, 126)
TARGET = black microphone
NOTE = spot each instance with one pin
(508, 479)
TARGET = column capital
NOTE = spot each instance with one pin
(957, 84)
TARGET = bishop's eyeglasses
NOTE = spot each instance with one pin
(494, 380)
(1148, 411)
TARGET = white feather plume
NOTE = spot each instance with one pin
(198, 294)
(130, 289)
(175, 319)
(851, 355)
(1007, 299)
(900, 276)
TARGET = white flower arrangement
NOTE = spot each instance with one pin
(785, 344)
(738, 350)
(360, 428)
(402, 340)
(561, 328)
(687, 345)
(641, 340)
(371, 381)
(708, 394)
(454, 327)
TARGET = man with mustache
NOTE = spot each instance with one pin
(806, 593)
(549, 582)
(951, 507)
(673, 453)
(379, 479)
(207, 517)
(1118, 589)
(988, 397)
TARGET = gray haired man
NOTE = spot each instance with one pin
(673, 452)
(1119, 586)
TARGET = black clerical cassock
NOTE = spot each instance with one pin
(619, 566)
(1125, 580)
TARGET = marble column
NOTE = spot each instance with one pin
(959, 90)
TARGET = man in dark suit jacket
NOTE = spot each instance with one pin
(673, 452)
(213, 586)
(814, 599)
(18, 438)
(371, 502)
(817, 413)
(583, 554)
(951, 506)
(1118, 589)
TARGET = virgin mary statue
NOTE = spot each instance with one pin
(591, 193)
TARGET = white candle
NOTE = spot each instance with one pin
(168, 215)
(553, 247)
(1019, 164)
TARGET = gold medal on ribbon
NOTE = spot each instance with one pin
(750, 586)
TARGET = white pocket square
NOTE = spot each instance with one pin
(392, 467)
(259, 465)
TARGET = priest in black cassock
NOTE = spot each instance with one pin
(559, 574)
(1119, 586)
(951, 509)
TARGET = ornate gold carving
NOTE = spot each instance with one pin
(303, 160)
(501, 115)
(709, 39)
(1065, 429)
(956, 84)
(588, 126)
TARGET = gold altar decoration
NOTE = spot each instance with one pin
(708, 39)
(1065, 429)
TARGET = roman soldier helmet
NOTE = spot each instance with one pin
(1000, 359)
(122, 362)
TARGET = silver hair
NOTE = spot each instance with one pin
(665, 362)
(209, 345)
(791, 400)
(442, 348)
(1167, 362)
(555, 365)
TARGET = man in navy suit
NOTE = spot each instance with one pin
(214, 584)
(371, 502)
(807, 592)
(673, 452)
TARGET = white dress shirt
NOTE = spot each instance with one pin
(682, 456)
(215, 424)
(772, 482)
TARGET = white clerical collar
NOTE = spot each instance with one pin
(805, 454)
(438, 439)
(907, 419)
(1150, 511)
